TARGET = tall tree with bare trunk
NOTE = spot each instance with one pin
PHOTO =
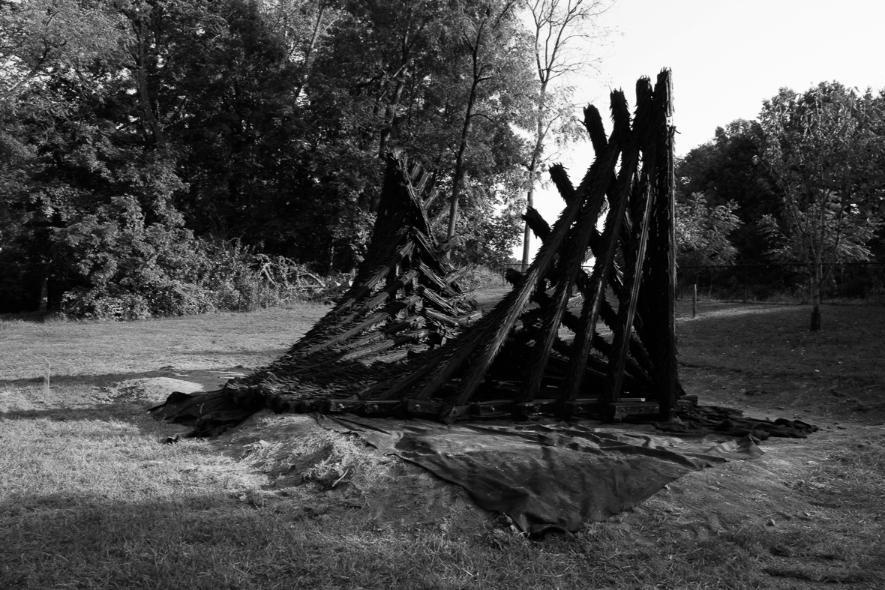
(826, 149)
(562, 30)
(493, 72)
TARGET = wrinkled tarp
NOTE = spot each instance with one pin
(210, 413)
(546, 476)
(709, 419)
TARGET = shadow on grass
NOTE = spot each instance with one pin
(200, 542)
(276, 351)
(34, 317)
(720, 310)
(87, 380)
(134, 415)
(121, 411)
(206, 376)
(779, 337)
(210, 541)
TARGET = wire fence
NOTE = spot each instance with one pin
(862, 281)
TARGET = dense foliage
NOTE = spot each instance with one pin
(806, 182)
(138, 133)
(154, 154)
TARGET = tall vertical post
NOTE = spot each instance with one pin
(669, 383)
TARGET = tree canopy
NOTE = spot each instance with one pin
(805, 180)
(136, 127)
(825, 148)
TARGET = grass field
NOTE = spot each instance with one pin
(90, 498)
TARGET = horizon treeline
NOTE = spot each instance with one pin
(139, 137)
(165, 157)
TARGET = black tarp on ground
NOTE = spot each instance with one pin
(546, 476)
(697, 419)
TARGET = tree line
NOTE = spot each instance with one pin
(142, 141)
(803, 183)
(158, 155)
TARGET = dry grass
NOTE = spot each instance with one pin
(89, 498)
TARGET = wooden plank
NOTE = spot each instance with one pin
(371, 321)
(357, 292)
(442, 318)
(633, 277)
(606, 311)
(382, 408)
(436, 301)
(306, 406)
(577, 241)
(489, 409)
(667, 379)
(345, 405)
(419, 407)
(617, 411)
(603, 267)
(535, 407)
(581, 406)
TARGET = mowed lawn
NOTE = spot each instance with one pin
(90, 497)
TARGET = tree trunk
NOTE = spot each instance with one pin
(457, 181)
(390, 116)
(44, 290)
(815, 298)
(144, 95)
(308, 53)
(533, 169)
(458, 178)
(527, 233)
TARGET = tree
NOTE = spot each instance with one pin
(727, 169)
(39, 37)
(558, 27)
(825, 148)
(153, 122)
(494, 74)
(702, 232)
(304, 25)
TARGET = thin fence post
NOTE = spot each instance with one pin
(694, 300)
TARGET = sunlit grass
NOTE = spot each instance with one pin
(90, 497)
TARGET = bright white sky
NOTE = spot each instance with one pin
(727, 56)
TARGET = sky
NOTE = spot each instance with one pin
(727, 57)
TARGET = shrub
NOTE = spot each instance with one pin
(124, 268)
(480, 277)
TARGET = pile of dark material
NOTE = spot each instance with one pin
(407, 340)
(545, 477)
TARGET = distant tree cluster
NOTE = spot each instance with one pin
(138, 136)
(805, 183)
